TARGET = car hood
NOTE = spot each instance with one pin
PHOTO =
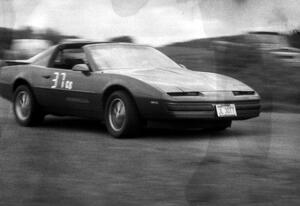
(183, 80)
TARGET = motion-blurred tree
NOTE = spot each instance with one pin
(128, 39)
(52, 35)
(294, 38)
(24, 33)
(5, 40)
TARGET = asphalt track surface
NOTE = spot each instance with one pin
(70, 161)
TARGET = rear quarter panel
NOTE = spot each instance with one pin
(10, 74)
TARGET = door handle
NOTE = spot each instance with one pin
(46, 76)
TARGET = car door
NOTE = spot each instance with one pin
(78, 91)
(72, 92)
(42, 77)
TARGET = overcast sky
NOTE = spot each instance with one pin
(153, 22)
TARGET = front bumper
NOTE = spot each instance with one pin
(204, 110)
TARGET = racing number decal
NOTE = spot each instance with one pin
(63, 79)
(69, 85)
(65, 84)
(55, 80)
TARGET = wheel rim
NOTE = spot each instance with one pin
(23, 105)
(117, 114)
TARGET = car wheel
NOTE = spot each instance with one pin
(25, 107)
(121, 115)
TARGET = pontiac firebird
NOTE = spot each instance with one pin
(125, 85)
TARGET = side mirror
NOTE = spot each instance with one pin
(81, 68)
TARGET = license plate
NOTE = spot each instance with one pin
(226, 110)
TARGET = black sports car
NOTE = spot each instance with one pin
(123, 84)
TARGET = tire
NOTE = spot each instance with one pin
(25, 107)
(122, 119)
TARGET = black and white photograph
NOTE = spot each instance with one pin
(149, 102)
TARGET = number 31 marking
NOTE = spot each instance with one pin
(64, 84)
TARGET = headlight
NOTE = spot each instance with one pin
(184, 94)
(240, 93)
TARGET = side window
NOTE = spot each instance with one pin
(58, 60)
(68, 58)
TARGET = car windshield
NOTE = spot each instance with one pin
(129, 57)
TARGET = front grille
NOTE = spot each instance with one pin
(189, 106)
(209, 106)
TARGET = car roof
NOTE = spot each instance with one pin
(76, 44)
(70, 45)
